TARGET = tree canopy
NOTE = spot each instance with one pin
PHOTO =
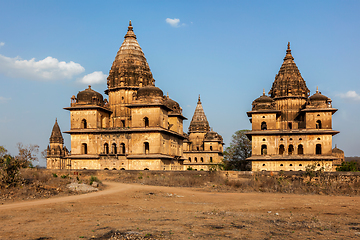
(240, 149)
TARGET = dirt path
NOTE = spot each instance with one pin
(112, 188)
(181, 213)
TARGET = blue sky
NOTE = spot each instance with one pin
(226, 51)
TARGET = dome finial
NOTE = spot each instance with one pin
(199, 99)
(89, 86)
(263, 91)
(167, 94)
(288, 55)
(130, 28)
(317, 89)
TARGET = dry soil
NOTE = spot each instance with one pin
(181, 213)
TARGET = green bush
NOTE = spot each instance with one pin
(55, 175)
(94, 179)
(352, 166)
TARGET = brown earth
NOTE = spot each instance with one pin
(135, 211)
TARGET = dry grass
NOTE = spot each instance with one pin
(39, 183)
(297, 183)
(42, 183)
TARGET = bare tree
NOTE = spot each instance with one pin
(27, 154)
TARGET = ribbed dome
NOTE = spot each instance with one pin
(149, 91)
(130, 67)
(56, 136)
(289, 82)
(89, 96)
(199, 122)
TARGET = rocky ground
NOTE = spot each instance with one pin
(135, 211)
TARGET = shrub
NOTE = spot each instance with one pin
(10, 171)
(94, 179)
(55, 175)
(352, 166)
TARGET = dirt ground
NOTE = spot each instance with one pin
(155, 212)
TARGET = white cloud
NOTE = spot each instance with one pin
(2, 44)
(3, 99)
(173, 22)
(351, 95)
(47, 69)
(94, 78)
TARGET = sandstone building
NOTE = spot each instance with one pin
(203, 148)
(138, 128)
(290, 128)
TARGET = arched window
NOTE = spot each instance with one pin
(122, 123)
(300, 149)
(210, 159)
(263, 126)
(113, 148)
(263, 149)
(84, 148)
(290, 125)
(146, 148)
(146, 122)
(290, 149)
(318, 148)
(195, 159)
(122, 148)
(106, 148)
(83, 123)
(197, 148)
(318, 124)
(281, 149)
(202, 160)
(210, 148)
(189, 159)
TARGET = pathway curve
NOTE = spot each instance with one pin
(113, 187)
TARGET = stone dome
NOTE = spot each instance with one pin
(318, 96)
(288, 81)
(89, 96)
(149, 91)
(263, 102)
(130, 68)
(213, 136)
(337, 150)
(173, 105)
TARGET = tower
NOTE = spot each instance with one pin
(137, 129)
(291, 130)
(203, 147)
(56, 151)
(128, 73)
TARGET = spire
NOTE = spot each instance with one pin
(317, 89)
(263, 91)
(199, 123)
(130, 68)
(56, 136)
(289, 82)
(130, 32)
